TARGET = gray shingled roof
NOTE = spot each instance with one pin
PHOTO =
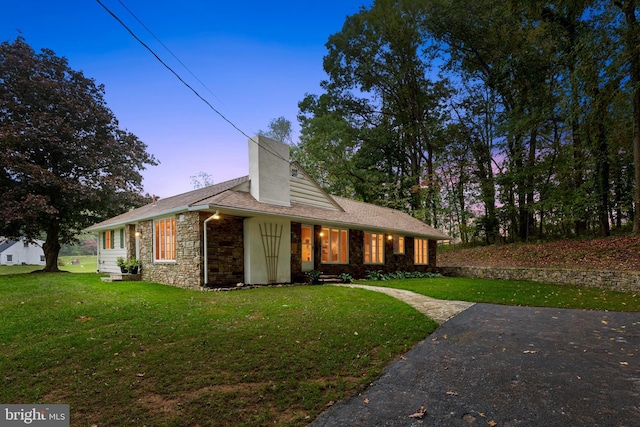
(7, 244)
(180, 203)
(356, 214)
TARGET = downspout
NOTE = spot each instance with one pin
(206, 262)
(98, 253)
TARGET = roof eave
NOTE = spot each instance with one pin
(117, 224)
(300, 218)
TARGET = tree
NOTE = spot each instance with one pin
(201, 180)
(631, 39)
(387, 109)
(279, 130)
(65, 162)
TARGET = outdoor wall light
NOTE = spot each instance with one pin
(390, 237)
(138, 234)
(216, 215)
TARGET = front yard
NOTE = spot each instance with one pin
(136, 353)
(146, 354)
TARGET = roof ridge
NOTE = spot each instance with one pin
(222, 187)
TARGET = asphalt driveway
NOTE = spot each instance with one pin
(509, 366)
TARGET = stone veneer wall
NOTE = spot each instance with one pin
(225, 251)
(624, 281)
(186, 271)
(358, 269)
(130, 240)
(297, 275)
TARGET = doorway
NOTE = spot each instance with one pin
(307, 248)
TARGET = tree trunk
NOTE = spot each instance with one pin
(51, 248)
(631, 42)
(602, 165)
(530, 227)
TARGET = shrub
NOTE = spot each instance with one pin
(399, 275)
(346, 277)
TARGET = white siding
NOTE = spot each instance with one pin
(306, 192)
(107, 257)
(19, 254)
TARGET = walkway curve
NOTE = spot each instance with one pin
(437, 309)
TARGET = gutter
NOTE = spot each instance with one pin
(327, 222)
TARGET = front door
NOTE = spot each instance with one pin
(307, 248)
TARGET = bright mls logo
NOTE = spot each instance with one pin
(34, 415)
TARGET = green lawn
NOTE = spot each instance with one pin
(511, 292)
(85, 264)
(136, 353)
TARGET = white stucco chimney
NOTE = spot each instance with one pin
(269, 171)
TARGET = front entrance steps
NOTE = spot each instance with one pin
(329, 278)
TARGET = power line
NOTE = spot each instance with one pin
(268, 149)
(167, 49)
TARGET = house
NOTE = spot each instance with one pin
(21, 251)
(271, 226)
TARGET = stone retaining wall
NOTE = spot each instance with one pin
(624, 281)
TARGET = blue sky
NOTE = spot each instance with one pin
(258, 59)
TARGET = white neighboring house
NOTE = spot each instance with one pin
(16, 252)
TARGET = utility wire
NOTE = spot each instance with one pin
(167, 49)
(268, 149)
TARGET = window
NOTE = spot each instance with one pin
(335, 246)
(42, 258)
(165, 239)
(398, 244)
(9, 258)
(373, 248)
(26, 244)
(122, 238)
(420, 253)
(107, 240)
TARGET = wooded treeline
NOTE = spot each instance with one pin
(489, 120)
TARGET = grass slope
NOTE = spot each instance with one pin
(139, 353)
(511, 292)
(612, 253)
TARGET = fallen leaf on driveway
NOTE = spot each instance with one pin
(530, 351)
(492, 423)
(452, 393)
(419, 413)
(366, 400)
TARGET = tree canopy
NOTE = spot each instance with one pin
(66, 164)
(489, 119)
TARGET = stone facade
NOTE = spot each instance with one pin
(186, 271)
(356, 266)
(297, 276)
(624, 281)
(130, 240)
(225, 251)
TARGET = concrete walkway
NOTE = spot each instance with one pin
(438, 310)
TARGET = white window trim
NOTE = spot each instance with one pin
(155, 240)
(322, 239)
(403, 247)
(425, 252)
(378, 237)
